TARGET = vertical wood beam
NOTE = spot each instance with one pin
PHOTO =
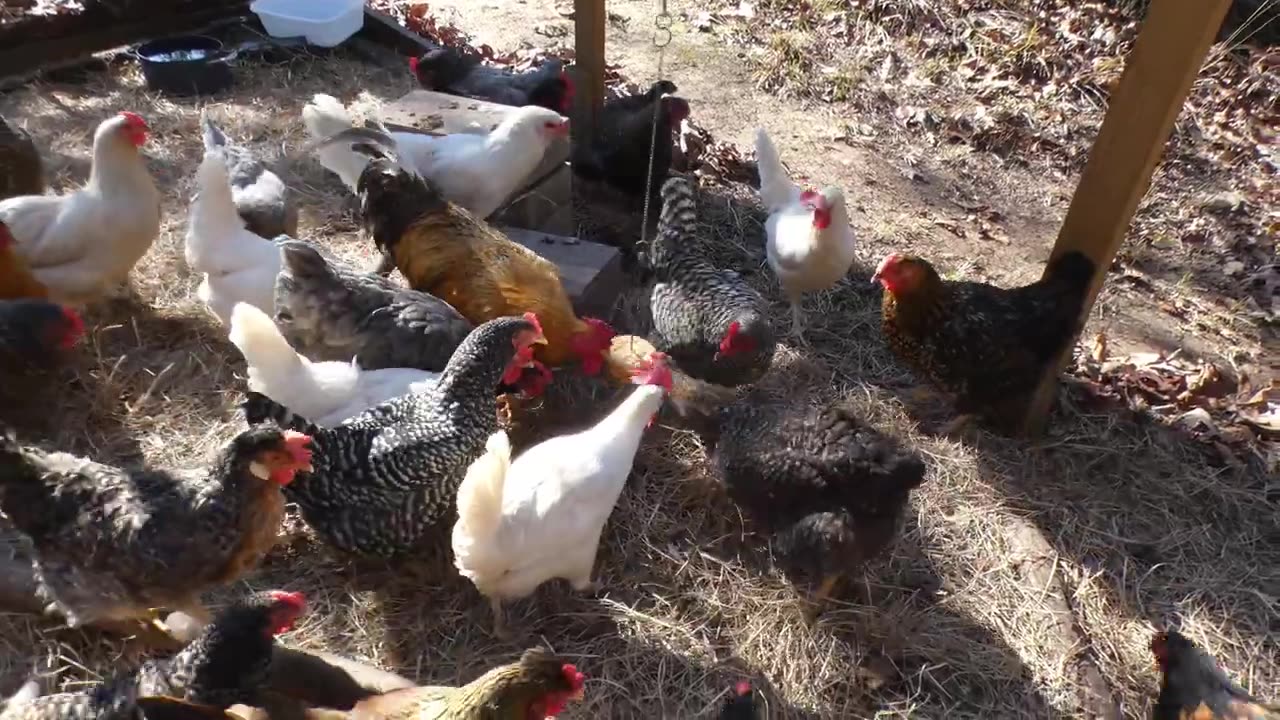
(1172, 44)
(589, 24)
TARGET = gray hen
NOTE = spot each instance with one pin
(447, 70)
(264, 201)
(330, 313)
(386, 478)
(712, 324)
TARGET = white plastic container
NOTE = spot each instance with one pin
(323, 22)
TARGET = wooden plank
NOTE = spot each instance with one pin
(592, 273)
(589, 24)
(1172, 44)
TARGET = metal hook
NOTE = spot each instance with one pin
(663, 23)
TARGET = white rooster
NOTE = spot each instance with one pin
(83, 244)
(810, 244)
(477, 171)
(238, 265)
(326, 393)
(540, 517)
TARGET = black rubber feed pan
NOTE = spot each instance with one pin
(189, 65)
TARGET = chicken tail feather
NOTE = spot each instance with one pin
(324, 118)
(480, 511)
(273, 363)
(776, 189)
(1073, 270)
(259, 408)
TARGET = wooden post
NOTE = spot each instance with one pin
(589, 22)
(1172, 44)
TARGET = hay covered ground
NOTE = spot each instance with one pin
(1024, 575)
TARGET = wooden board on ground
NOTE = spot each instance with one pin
(591, 272)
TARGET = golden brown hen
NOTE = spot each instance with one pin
(443, 249)
(539, 686)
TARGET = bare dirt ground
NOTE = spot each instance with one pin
(1028, 578)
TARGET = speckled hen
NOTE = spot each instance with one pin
(987, 345)
(383, 479)
(111, 544)
(830, 488)
(712, 324)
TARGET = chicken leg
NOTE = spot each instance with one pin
(797, 319)
(500, 629)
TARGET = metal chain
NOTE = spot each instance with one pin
(661, 38)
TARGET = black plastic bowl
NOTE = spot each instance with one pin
(191, 65)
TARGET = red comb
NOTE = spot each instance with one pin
(134, 118)
(295, 600)
(75, 328)
(532, 319)
(742, 688)
(413, 64)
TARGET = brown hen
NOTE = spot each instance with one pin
(1193, 687)
(112, 544)
(539, 686)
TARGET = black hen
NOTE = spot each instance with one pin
(33, 332)
(383, 479)
(230, 660)
(712, 324)
(21, 172)
(1193, 687)
(447, 70)
(740, 704)
(828, 487)
(330, 313)
(265, 203)
(618, 151)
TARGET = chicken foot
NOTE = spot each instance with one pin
(821, 595)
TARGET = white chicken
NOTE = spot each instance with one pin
(83, 244)
(540, 517)
(327, 393)
(810, 245)
(238, 265)
(477, 171)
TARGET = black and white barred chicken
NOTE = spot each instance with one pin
(828, 487)
(384, 478)
(708, 320)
